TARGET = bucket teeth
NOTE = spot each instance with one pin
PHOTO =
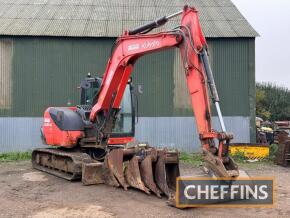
(132, 175)
(115, 165)
(146, 170)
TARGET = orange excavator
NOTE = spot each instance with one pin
(94, 141)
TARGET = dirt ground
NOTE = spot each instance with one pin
(26, 192)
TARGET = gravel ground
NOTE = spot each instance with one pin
(26, 192)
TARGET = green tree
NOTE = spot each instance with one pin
(272, 102)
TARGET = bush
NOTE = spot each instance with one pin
(272, 102)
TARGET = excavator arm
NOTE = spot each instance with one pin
(188, 37)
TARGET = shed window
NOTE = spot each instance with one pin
(5, 73)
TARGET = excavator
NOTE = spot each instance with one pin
(94, 141)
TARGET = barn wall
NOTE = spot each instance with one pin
(45, 71)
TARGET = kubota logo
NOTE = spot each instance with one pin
(150, 44)
(133, 47)
(145, 45)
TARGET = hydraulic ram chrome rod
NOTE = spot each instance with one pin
(212, 87)
(154, 24)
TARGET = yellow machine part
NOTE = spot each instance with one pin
(251, 151)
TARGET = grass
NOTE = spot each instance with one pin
(194, 159)
(15, 156)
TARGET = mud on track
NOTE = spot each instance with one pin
(26, 192)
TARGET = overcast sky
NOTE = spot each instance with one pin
(271, 19)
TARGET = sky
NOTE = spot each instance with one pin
(271, 19)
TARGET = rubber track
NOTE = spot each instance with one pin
(66, 165)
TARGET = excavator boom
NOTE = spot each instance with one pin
(188, 37)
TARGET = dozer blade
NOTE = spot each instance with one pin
(114, 162)
(146, 170)
(132, 175)
(92, 172)
(95, 172)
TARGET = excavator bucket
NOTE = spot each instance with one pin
(108, 175)
(166, 171)
(133, 176)
(160, 173)
(223, 170)
(115, 165)
(145, 168)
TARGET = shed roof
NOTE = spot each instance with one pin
(101, 18)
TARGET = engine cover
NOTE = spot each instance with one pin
(62, 127)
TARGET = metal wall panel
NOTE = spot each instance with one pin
(171, 132)
(231, 61)
(19, 134)
(181, 132)
(252, 90)
(46, 71)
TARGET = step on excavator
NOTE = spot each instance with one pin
(94, 141)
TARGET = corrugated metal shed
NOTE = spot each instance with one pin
(45, 71)
(98, 18)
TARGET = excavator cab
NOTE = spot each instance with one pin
(124, 128)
